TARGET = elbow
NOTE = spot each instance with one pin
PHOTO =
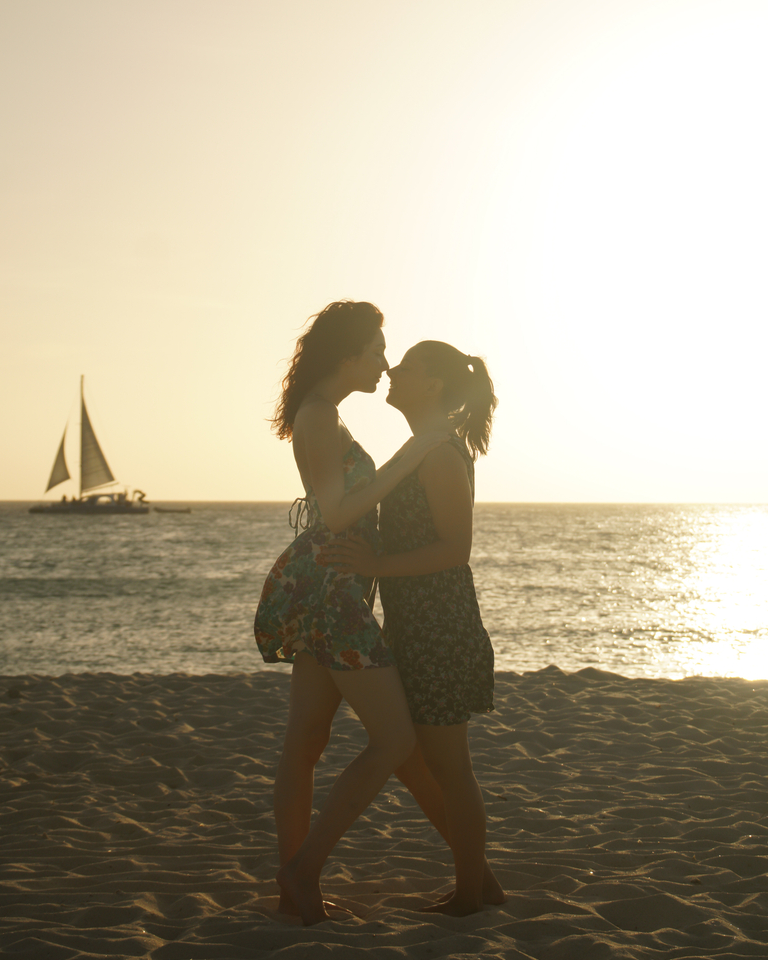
(463, 551)
(335, 526)
(333, 517)
(458, 556)
(336, 519)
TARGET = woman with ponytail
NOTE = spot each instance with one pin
(432, 621)
(319, 620)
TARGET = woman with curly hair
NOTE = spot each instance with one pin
(320, 620)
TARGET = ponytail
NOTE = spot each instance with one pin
(467, 397)
(480, 406)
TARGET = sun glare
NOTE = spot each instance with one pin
(625, 243)
(731, 589)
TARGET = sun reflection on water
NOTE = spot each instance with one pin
(641, 590)
(727, 595)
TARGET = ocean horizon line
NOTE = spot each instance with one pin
(506, 503)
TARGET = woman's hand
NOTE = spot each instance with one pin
(353, 555)
(413, 451)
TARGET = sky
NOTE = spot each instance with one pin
(573, 189)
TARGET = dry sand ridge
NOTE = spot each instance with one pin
(627, 819)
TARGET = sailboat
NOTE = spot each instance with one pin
(94, 473)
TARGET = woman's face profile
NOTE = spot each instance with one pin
(407, 381)
(367, 368)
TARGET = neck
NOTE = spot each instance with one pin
(427, 421)
(330, 389)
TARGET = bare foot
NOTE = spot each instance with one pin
(493, 895)
(305, 896)
(453, 907)
(289, 908)
(493, 892)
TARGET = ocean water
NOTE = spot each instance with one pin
(651, 591)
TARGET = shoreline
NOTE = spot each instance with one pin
(626, 818)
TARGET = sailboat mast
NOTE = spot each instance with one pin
(82, 407)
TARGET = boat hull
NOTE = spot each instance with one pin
(85, 509)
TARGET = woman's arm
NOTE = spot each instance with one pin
(318, 452)
(397, 456)
(443, 474)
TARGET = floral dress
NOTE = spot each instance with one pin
(432, 622)
(307, 605)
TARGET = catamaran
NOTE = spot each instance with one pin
(94, 473)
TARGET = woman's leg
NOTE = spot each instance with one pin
(376, 696)
(415, 775)
(446, 752)
(313, 704)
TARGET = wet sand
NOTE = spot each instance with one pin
(626, 819)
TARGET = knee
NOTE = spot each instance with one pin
(413, 769)
(450, 771)
(306, 746)
(401, 748)
(391, 750)
(315, 745)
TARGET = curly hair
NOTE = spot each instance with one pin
(340, 331)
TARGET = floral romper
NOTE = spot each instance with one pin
(308, 605)
(432, 622)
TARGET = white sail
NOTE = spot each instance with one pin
(94, 469)
(59, 473)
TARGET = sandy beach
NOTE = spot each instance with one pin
(626, 818)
